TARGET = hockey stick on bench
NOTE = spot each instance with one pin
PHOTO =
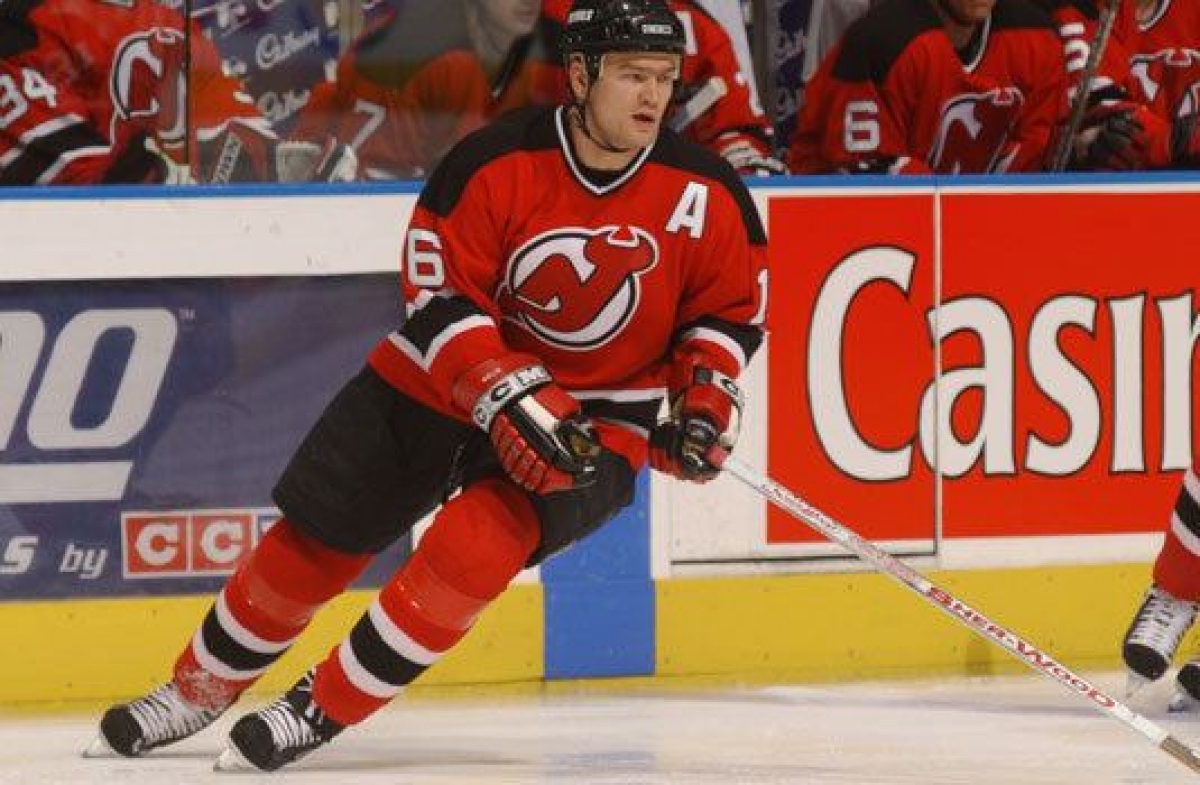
(1104, 28)
(964, 614)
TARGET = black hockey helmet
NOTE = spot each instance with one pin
(595, 27)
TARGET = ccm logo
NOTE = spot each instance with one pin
(46, 375)
(182, 544)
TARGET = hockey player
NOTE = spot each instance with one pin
(541, 336)
(426, 75)
(1166, 64)
(84, 85)
(1169, 607)
(948, 86)
(717, 103)
(1142, 110)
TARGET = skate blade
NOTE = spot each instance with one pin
(1182, 703)
(1134, 682)
(233, 760)
(99, 749)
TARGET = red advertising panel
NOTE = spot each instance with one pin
(1068, 330)
(852, 285)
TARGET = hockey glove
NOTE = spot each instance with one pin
(542, 441)
(307, 162)
(1185, 142)
(749, 162)
(706, 413)
(1114, 137)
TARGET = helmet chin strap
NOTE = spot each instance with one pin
(579, 114)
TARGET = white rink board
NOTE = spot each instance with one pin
(210, 232)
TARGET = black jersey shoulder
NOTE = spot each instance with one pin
(17, 33)
(1023, 15)
(874, 42)
(674, 151)
(526, 129)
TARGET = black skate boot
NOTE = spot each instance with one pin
(284, 731)
(160, 718)
(1187, 689)
(1154, 636)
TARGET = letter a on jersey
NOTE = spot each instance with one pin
(689, 211)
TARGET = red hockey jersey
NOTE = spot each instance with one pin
(410, 88)
(81, 80)
(1165, 57)
(1077, 22)
(515, 246)
(894, 90)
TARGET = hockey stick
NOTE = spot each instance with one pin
(978, 623)
(1062, 150)
(704, 99)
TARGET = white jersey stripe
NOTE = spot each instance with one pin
(398, 640)
(215, 666)
(242, 636)
(363, 679)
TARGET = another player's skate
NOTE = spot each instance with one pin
(160, 718)
(1154, 635)
(1187, 689)
(285, 731)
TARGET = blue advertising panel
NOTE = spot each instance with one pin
(144, 423)
(279, 49)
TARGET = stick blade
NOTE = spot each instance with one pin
(1181, 752)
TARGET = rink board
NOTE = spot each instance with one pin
(1064, 413)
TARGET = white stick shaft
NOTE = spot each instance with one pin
(958, 610)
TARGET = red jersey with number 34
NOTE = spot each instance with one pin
(514, 246)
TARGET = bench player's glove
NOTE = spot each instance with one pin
(706, 413)
(542, 441)
(1114, 138)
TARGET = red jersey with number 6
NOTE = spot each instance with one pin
(894, 95)
(515, 246)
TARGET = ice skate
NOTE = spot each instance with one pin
(279, 734)
(160, 718)
(1187, 689)
(1154, 636)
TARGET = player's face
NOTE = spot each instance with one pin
(968, 12)
(509, 18)
(628, 101)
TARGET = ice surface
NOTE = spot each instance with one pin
(1003, 730)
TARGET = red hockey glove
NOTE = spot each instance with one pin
(706, 413)
(536, 429)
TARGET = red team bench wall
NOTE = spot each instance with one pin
(997, 381)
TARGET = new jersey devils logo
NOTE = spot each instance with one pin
(577, 288)
(1171, 70)
(147, 83)
(973, 129)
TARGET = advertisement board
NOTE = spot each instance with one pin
(987, 375)
(143, 422)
